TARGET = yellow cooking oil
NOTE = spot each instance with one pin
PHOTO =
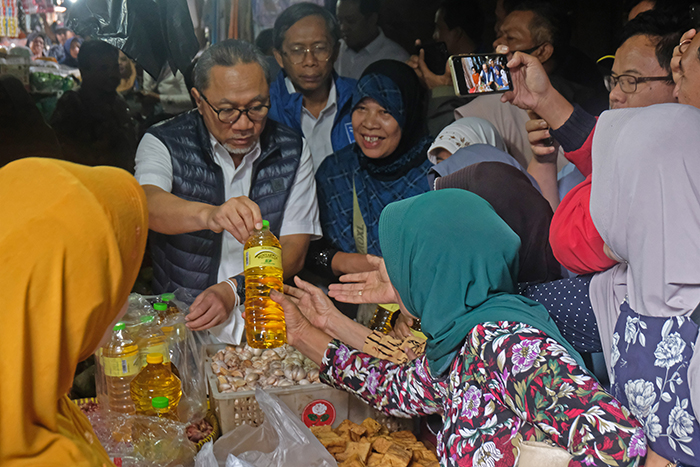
(262, 258)
(121, 363)
(156, 379)
(151, 339)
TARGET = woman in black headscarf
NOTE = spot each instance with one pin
(23, 131)
(387, 163)
(520, 205)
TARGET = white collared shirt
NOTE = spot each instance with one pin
(317, 131)
(154, 167)
(351, 64)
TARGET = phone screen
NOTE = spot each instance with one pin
(480, 74)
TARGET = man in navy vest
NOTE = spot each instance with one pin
(308, 95)
(213, 174)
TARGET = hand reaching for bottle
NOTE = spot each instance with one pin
(312, 302)
(365, 287)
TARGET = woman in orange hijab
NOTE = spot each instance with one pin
(71, 242)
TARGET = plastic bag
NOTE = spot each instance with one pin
(188, 355)
(282, 441)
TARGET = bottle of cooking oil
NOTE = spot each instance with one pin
(382, 319)
(146, 430)
(155, 380)
(161, 309)
(262, 259)
(151, 340)
(171, 340)
(121, 363)
(168, 299)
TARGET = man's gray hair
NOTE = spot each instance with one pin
(227, 53)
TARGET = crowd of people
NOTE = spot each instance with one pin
(525, 230)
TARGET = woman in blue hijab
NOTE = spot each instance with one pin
(71, 48)
(386, 163)
(495, 366)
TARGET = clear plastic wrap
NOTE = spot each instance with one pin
(281, 441)
(135, 440)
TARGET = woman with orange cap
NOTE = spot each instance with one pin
(71, 242)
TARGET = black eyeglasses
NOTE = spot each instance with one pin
(230, 116)
(628, 83)
(321, 52)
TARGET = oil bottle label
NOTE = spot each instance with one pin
(160, 348)
(262, 256)
(121, 367)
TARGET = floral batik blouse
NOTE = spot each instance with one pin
(508, 382)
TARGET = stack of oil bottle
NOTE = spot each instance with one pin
(135, 373)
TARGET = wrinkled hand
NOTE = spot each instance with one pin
(676, 60)
(238, 216)
(211, 308)
(530, 82)
(297, 324)
(365, 287)
(427, 78)
(312, 303)
(541, 142)
(402, 327)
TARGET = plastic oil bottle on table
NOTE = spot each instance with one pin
(155, 380)
(121, 363)
(172, 341)
(146, 441)
(262, 260)
(151, 339)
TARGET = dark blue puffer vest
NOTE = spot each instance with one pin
(191, 260)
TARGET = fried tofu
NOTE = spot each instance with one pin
(361, 449)
(371, 445)
(397, 456)
(372, 426)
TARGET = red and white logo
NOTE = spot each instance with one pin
(317, 413)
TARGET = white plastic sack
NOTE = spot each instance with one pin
(282, 441)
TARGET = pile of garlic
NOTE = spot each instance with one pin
(243, 368)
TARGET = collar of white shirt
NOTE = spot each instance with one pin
(330, 104)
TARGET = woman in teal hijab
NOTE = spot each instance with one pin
(495, 367)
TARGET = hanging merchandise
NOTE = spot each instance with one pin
(151, 32)
(9, 21)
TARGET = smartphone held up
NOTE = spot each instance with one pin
(480, 74)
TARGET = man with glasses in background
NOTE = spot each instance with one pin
(640, 76)
(211, 176)
(308, 95)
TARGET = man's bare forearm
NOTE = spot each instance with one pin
(171, 215)
(294, 248)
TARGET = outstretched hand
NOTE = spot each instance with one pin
(312, 303)
(211, 308)
(297, 325)
(365, 287)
